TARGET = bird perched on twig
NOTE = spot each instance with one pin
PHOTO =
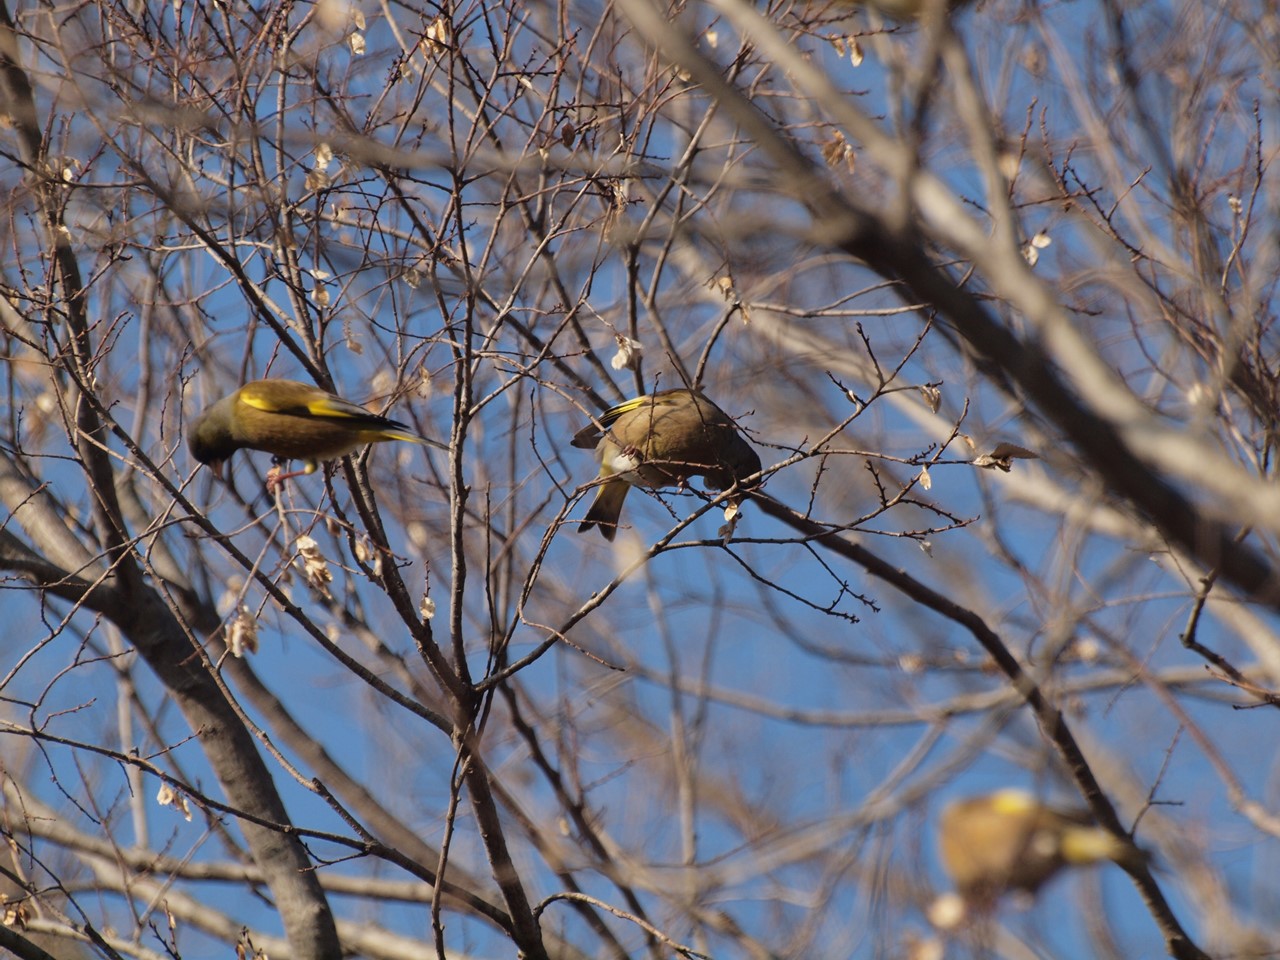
(661, 440)
(1010, 841)
(291, 421)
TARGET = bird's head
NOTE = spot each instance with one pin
(209, 436)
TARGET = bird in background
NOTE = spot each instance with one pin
(1010, 841)
(291, 421)
(661, 440)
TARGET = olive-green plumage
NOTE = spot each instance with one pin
(292, 421)
(661, 440)
(1008, 840)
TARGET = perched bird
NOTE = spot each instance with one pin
(292, 421)
(1009, 840)
(661, 440)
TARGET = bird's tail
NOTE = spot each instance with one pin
(399, 432)
(606, 509)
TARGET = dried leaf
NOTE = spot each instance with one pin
(242, 635)
(367, 554)
(440, 31)
(1003, 455)
(932, 396)
(619, 197)
(838, 150)
(166, 796)
(16, 915)
(628, 355)
(316, 180)
(1031, 252)
(315, 568)
(437, 38)
(732, 514)
(425, 387)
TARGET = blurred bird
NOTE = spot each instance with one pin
(1008, 840)
(661, 440)
(292, 421)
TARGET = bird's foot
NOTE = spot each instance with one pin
(276, 476)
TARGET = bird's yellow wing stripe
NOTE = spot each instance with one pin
(334, 407)
(613, 413)
(315, 403)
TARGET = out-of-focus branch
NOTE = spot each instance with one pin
(132, 604)
(1050, 718)
(1111, 428)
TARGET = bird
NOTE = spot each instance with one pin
(661, 440)
(1010, 841)
(292, 421)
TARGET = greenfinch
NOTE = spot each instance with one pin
(292, 421)
(661, 440)
(1008, 840)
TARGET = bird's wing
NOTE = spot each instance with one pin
(608, 418)
(590, 435)
(663, 398)
(301, 400)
